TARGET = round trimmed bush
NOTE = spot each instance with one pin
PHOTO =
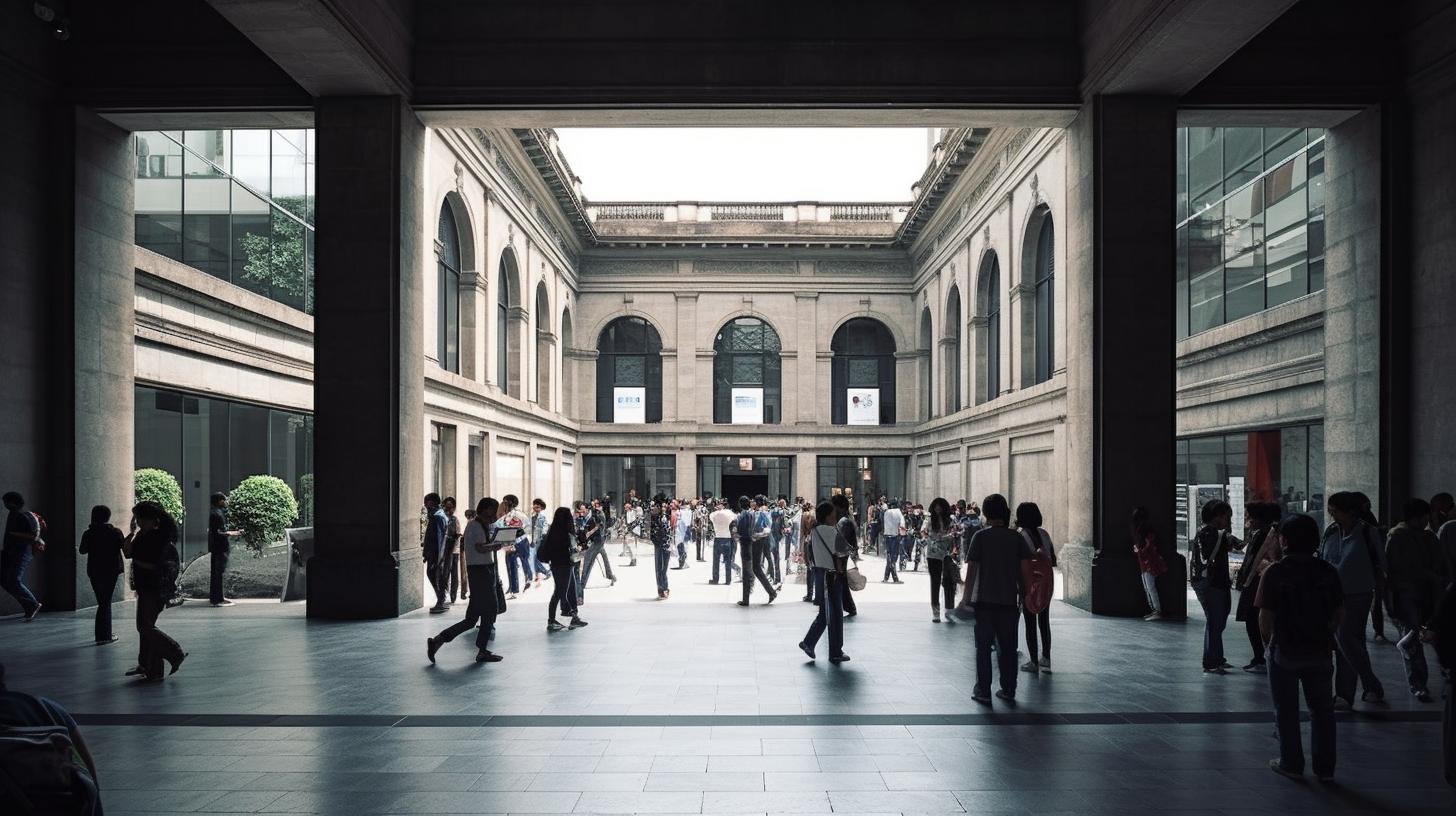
(154, 484)
(261, 507)
(305, 498)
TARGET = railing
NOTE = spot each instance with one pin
(746, 212)
(630, 212)
(802, 212)
(862, 212)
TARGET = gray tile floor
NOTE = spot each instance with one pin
(695, 706)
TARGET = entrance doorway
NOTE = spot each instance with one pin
(734, 476)
(735, 485)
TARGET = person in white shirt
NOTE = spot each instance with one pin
(482, 541)
(722, 520)
(894, 520)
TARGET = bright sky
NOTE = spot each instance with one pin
(746, 164)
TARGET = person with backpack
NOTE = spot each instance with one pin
(45, 765)
(22, 540)
(1414, 584)
(155, 565)
(1301, 602)
(1036, 603)
(753, 543)
(1150, 561)
(102, 544)
(482, 540)
(1261, 549)
(1208, 572)
(1353, 547)
(940, 538)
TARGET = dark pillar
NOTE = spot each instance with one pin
(368, 349)
(1120, 319)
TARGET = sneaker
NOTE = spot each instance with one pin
(1152, 616)
(743, 603)
(981, 697)
(1225, 665)
(1046, 664)
(1032, 667)
(1216, 670)
(1008, 696)
(949, 618)
(178, 664)
(510, 596)
(1376, 696)
(898, 581)
(804, 647)
(484, 656)
(662, 596)
(223, 602)
(713, 581)
(614, 580)
(30, 616)
(431, 646)
(437, 610)
(935, 614)
(839, 658)
(1422, 695)
(1276, 767)
(576, 623)
(771, 599)
(114, 638)
(1257, 667)
(1341, 704)
(554, 625)
(135, 670)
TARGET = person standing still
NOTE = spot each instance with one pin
(1413, 586)
(1208, 569)
(101, 544)
(1300, 602)
(22, 536)
(893, 521)
(432, 550)
(721, 520)
(660, 532)
(450, 559)
(998, 571)
(1150, 561)
(1353, 547)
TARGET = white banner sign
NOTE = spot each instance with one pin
(864, 406)
(748, 406)
(629, 406)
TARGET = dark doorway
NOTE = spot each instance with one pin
(735, 485)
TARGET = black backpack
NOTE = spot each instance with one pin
(42, 773)
(1301, 625)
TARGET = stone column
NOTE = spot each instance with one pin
(690, 403)
(1120, 407)
(369, 348)
(811, 390)
(1353, 205)
(686, 464)
(806, 475)
(472, 325)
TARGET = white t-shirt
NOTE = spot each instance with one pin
(722, 522)
(894, 521)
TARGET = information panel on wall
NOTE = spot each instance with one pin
(864, 406)
(747, 406)
(629, 406)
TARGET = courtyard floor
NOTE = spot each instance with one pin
(696, 706)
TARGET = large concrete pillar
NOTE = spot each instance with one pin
(1354, 433)
(369, 352)
(1120, 407)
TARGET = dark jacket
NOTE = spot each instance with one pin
(101, 544)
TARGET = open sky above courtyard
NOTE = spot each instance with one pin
(747, 164)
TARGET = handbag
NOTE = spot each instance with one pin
(855, 578)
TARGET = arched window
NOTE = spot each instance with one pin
(988, 358)
(951, 359)
(544, 344)
(507, 375)
(629, 372)
(747, 373)
(862, 373)
(568, 366)
(447, 310)
(927, 339)
(1045, 318)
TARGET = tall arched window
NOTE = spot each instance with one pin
(545, 342)
(568, 366)
(952, 356)
(507, 376)
(862, 374)
(447, 312)
(1045, 318)
(927, 340)
(747, 373)
(988, 358)
(629, 372)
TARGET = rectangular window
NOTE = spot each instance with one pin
(1244, 262)
(1205, 270)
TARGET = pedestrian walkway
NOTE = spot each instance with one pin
(695, 705)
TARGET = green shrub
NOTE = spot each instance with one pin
(305, 498)
(153, 484)
(261, 507)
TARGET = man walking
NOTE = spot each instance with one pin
(1300, 602)
(893, 521)
(754, 544)
(1354, 548)
(22, 534)
(482, 539)
(847, 528)
(432, 550)
(596, 536)
(998, 571)
(219, 547)
(721, 520)
(660, 532)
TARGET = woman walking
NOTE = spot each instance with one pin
(1208, 571)
(482, 541)
(102, 544)
(1263, 549)
(830, 553)
(558, 550)
(1150, 561)
(1035, 606)
(940, 539)
(155, 565)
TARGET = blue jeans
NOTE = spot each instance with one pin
(723, 553)
(1216, 602)
(829, 585)
(996, 623)
(662, 557)
(14, 560)
(1407, 617)
(892, 557)
(814, 587)
(773, 549)
(1284, 685)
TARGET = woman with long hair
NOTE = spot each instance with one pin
(1037, 602)
(557, 550)
(152, 547)
(830, 552)
(940, 539)
(1263, 548)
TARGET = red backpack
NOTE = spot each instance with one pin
(39, 544)
(1039, 593)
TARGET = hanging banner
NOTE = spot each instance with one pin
(864, 406)
(629, 406)
(748, 406)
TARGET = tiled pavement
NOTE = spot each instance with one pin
(695, 706)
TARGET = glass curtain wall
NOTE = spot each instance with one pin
(1284, 465)
(236, 204)
(1250, 230)
(210, 445)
